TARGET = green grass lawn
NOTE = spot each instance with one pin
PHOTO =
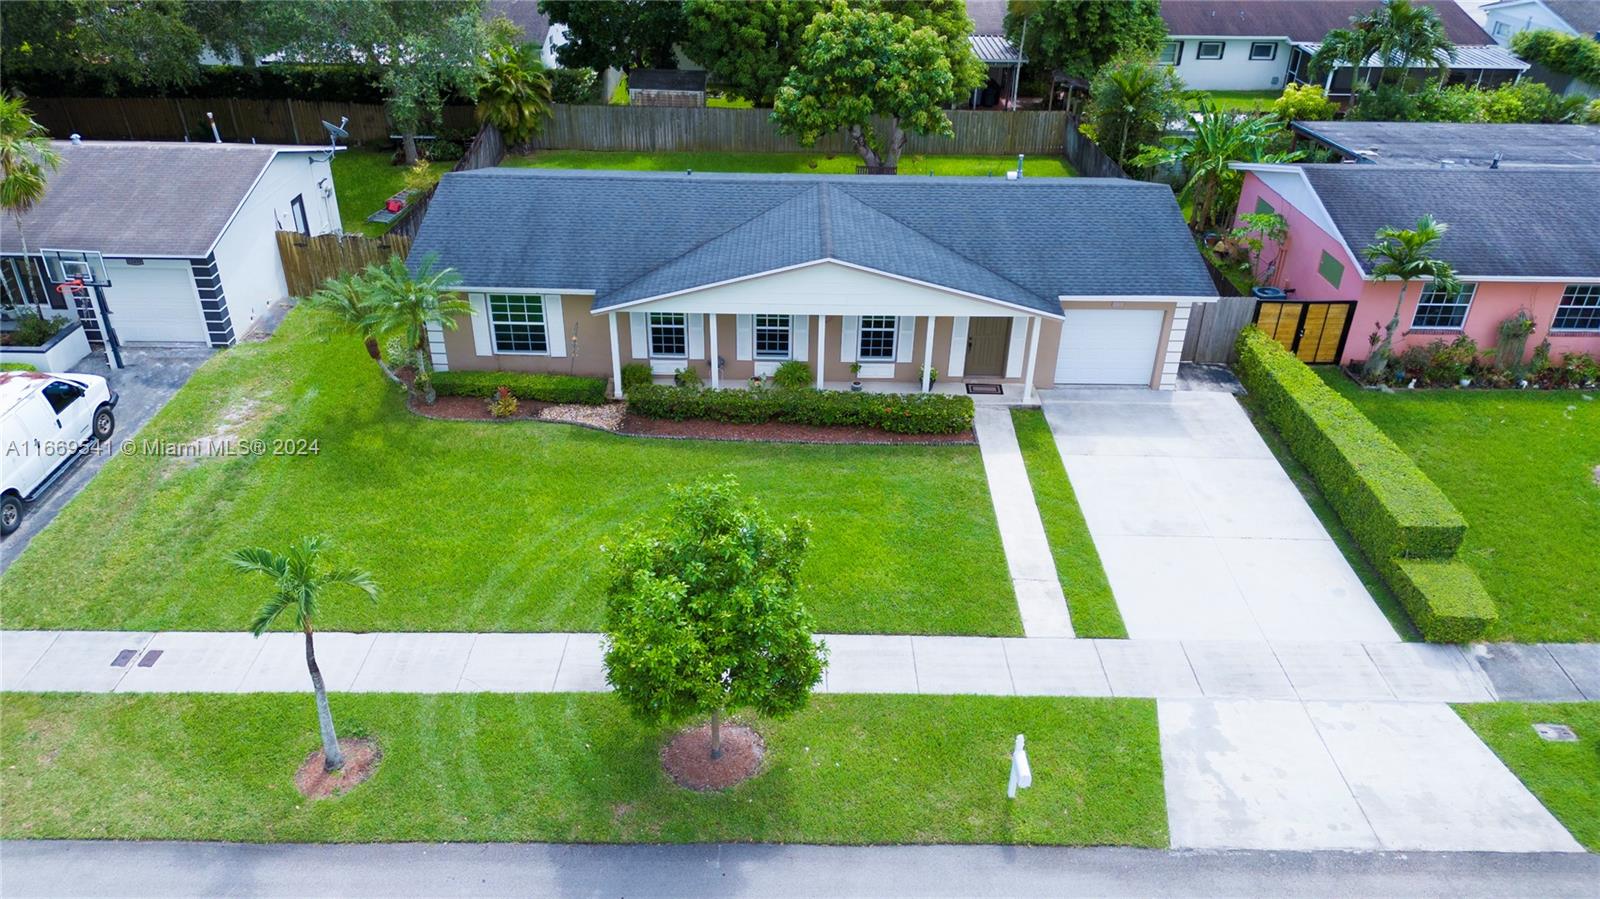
(796, 163)
(1237, 101)
(1094, 609)
(576, 767)
(479, 526)
(1520, 466)
(363, 179)
(1565, 776)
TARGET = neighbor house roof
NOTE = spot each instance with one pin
(988, 16)
(1527, 222)
(993, 49)
(1583, 16)
(1492, 57)
(1297, 20)
(135, 198)
(688, 80)
(525, 14)
(631, 236)
(1431, 143)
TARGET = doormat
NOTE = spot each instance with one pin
(986, 389)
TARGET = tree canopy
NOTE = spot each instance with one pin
(618, 34)
(1399, 35)
(747, 46)
(142, 42)
(1079, 38)
(1132, 98)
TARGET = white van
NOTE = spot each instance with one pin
(46, 422)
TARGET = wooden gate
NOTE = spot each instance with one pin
(1314, 332)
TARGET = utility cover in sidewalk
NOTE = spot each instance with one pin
(1555, 733)
(150, 658)
(123, 658)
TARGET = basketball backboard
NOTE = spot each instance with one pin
(82, 266)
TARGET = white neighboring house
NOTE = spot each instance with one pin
(186, 230)
(1580, 18)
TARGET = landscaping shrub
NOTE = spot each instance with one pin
(16, 366)
(34, 329)
(1448, 362)
(574, 86)
(792, 375)
(893, 412)
(686, 377)
(1444, 598)
(503, 404)
(539, 387)
(636, 374)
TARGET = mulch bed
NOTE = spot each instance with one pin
(778, 432)
(687, 757)
(473, 408)
(361, 757)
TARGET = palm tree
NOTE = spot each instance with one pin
(1408, 256)
(25, 155)
(1219, 139)
(402, 305)
(514, 92)
(299, 577)
(1133, 99)
(345, 298)
(1400, 34)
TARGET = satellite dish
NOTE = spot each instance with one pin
(336, 131)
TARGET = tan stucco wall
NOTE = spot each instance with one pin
(589, 354)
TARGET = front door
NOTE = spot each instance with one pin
(987, 339)
(1314, 332)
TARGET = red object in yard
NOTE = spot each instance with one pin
(394, 204)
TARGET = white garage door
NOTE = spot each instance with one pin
(154, 302)
(1109, 346)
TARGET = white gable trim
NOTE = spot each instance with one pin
(254, 183)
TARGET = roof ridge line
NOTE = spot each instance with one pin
(825, 220)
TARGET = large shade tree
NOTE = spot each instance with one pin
(905, 62)
(703, 614)
(1398, 36)
(1077, 38)
(300, 578)
(1406, 255)
(748, 46)
(26, 159)
(148, 43)
(617, 34)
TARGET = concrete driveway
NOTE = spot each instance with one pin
(151, 376)
(1202, 534)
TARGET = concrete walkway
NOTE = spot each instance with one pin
(116, 868)
(1202, 535)
(205, 662)
(1033, 571)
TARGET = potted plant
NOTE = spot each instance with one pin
(933, 376)
(855, 377)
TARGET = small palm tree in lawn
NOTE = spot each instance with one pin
(26, 158)
(345, 299)
(514, 91)
(1407, 255)
(299, 578)
(404, 305)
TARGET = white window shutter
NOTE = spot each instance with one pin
(696, 325)
(847, 338)
(482, 338)
(905, 341)
(555, 325)
(744, 340)
(957, 365)
(639, 334)
(800, 337)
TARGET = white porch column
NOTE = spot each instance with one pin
(616, 358)
(822, 344)
(927, 355)
(716, 376)
(1037, 324)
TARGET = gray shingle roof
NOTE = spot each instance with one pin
(1429, 143)
(140, 199)
(1298, 20)
(632, 235)
(1527, 222)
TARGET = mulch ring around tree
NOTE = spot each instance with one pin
(776, 432)
(361, 757)
(687, 757)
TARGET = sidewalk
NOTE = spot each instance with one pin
(127, 662)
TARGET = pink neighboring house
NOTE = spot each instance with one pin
(1519, 239)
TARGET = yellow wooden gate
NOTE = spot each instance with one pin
(1314, 332)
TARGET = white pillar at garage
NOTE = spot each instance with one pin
(616, 359)
(927, 357)
(716, 376)
(1037, 324)
(822, 345)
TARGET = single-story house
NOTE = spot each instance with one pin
(998, 54)
(1022, 283)
(1579, 18)
(667, 87)
(1519, 239)
(1259, 45)
(1434, 144)
(186, 231)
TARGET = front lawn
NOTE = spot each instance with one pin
(795, 163)
(478, 526)
(1083, 580)
(576, 767)
(1520, 465)
(363, 179)
(1565, 776)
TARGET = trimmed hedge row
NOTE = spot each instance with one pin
(898, 413)
(1392, 509)
(536, 386)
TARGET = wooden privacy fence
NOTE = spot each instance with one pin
(308, 261)
(486, 151)
(1085, 155)
(238, 121)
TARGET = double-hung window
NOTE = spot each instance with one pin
(669, 335)
(1438, 308)
(1579, 309)
(517, 322)
(876, 340)
(772, 336)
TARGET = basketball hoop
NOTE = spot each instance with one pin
(72, 285)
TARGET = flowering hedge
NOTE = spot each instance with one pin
(899, 413)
